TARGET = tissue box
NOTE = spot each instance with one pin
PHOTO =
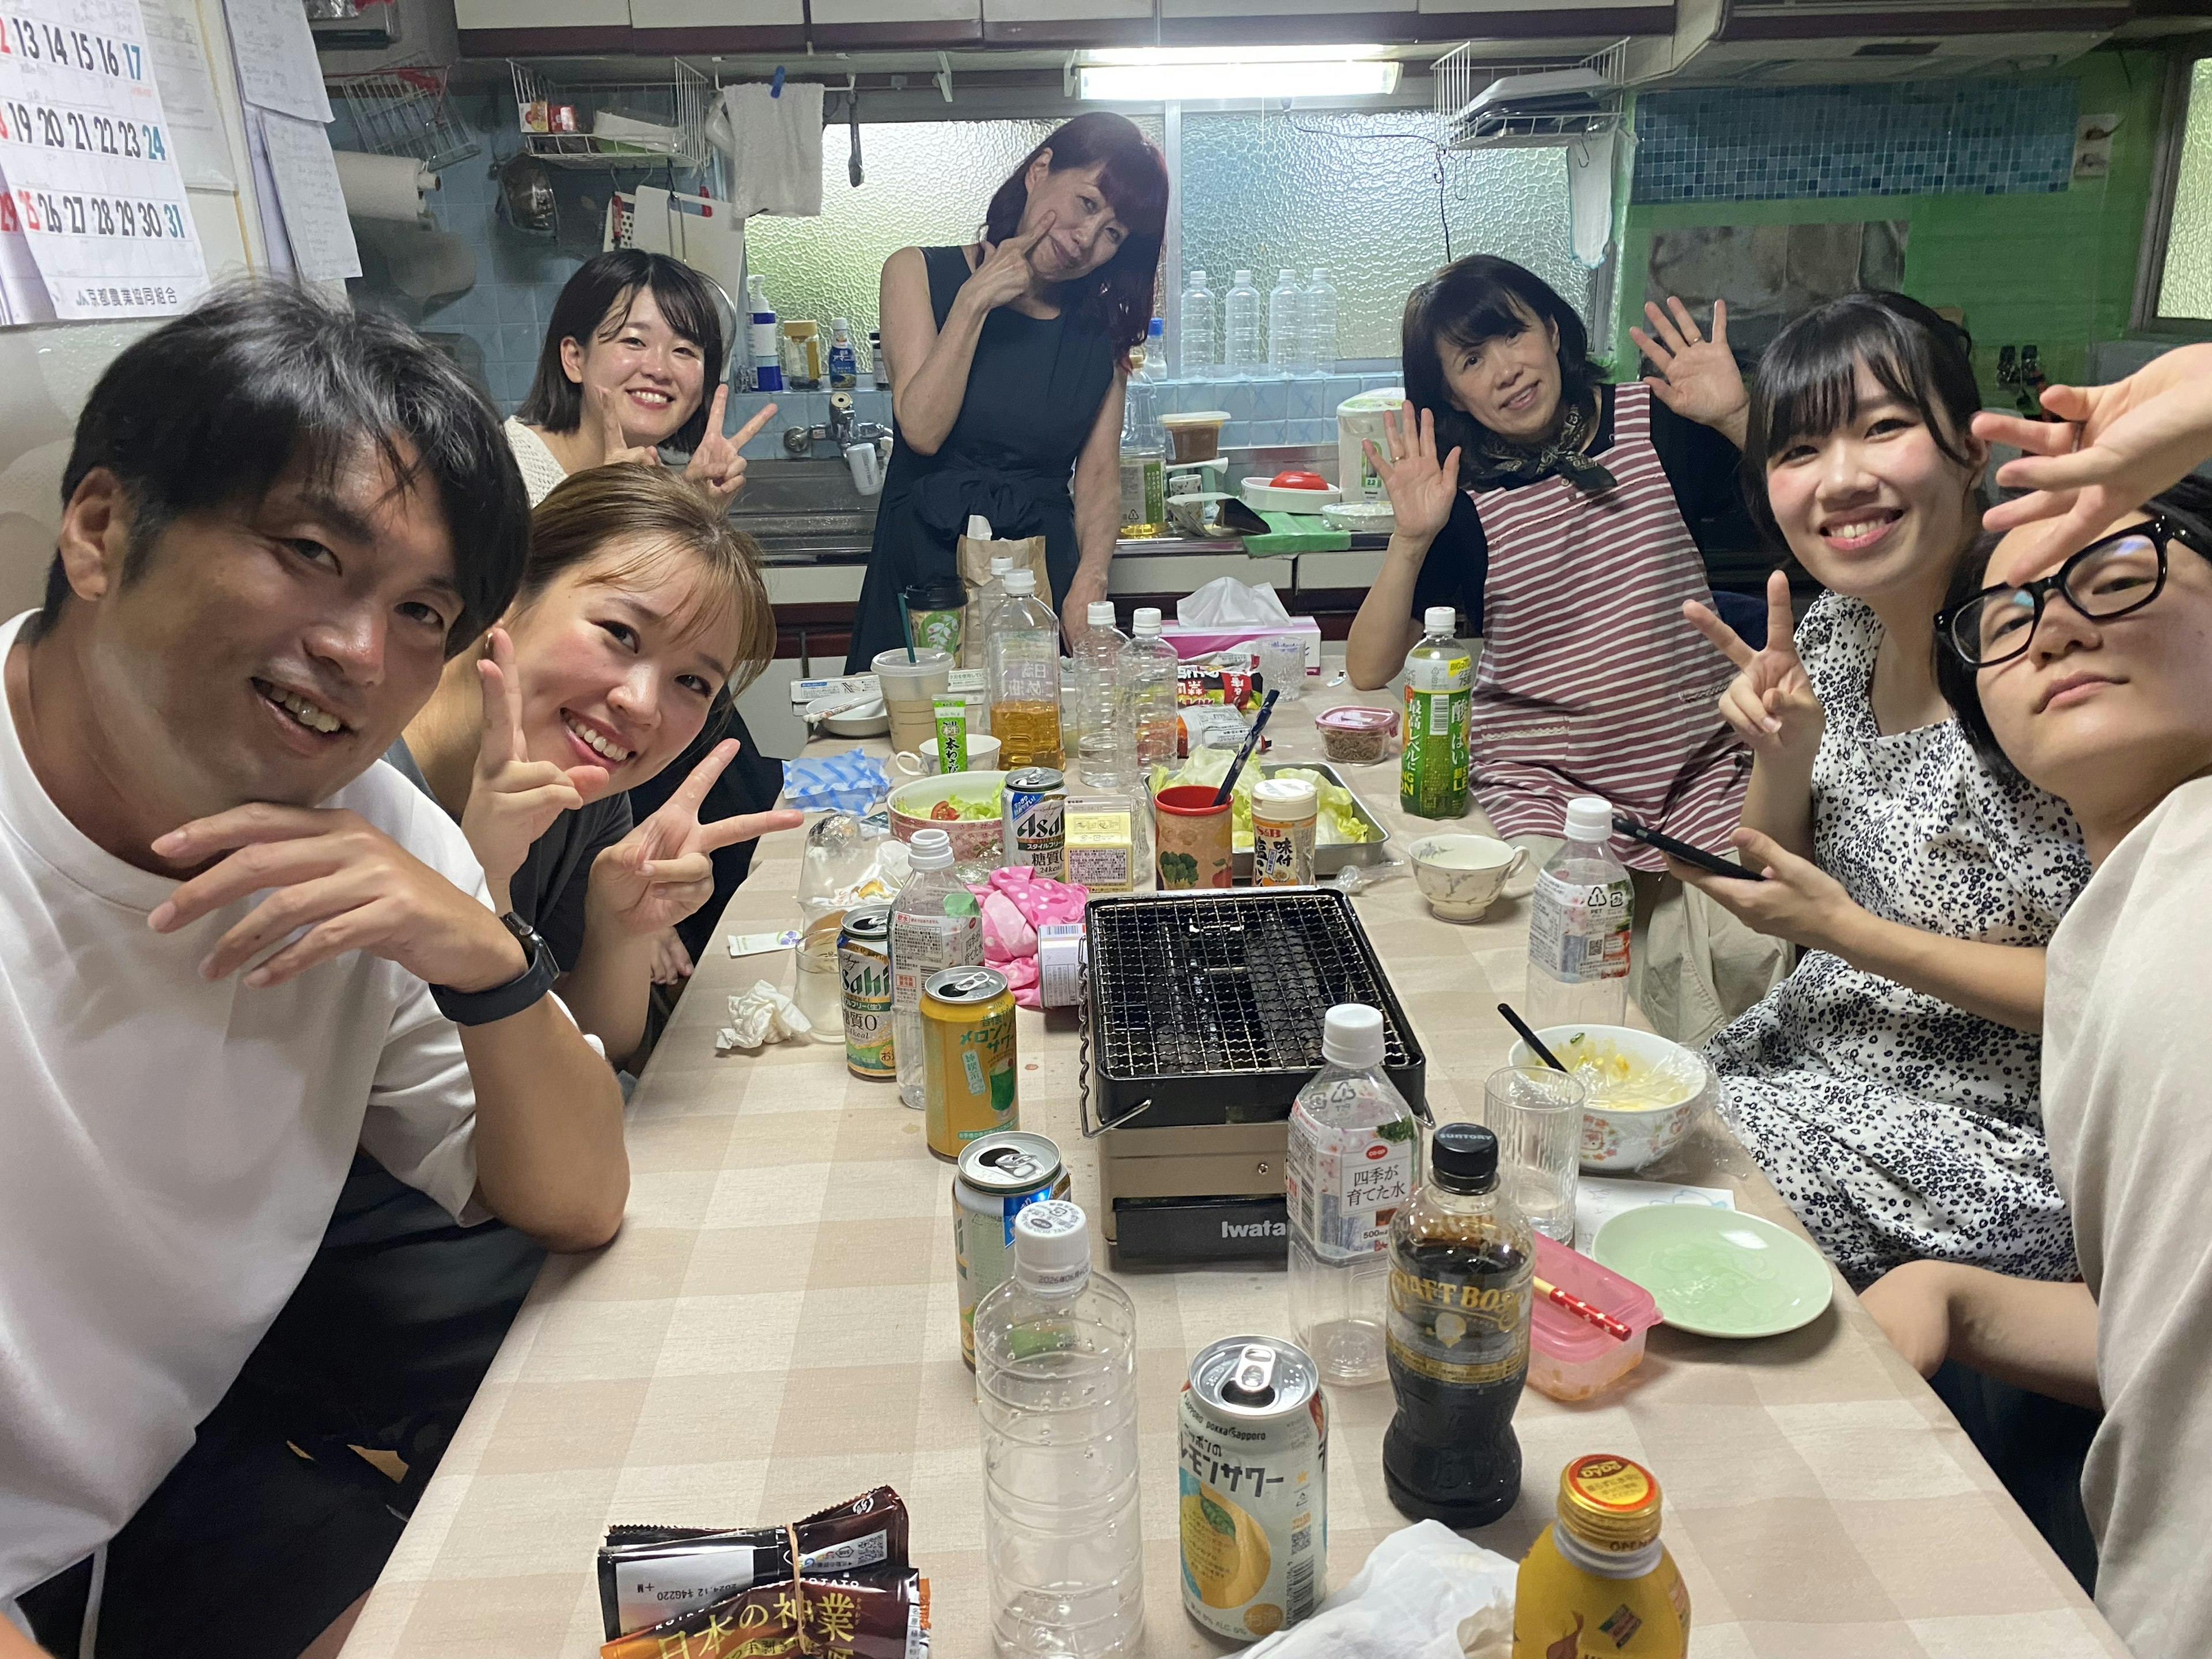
(1190, 641)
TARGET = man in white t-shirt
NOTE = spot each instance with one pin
(232, 947)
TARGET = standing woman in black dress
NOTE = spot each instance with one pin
(1008, 358)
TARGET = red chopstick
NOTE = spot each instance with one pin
(1582, 1310)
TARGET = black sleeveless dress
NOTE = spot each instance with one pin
(1034, 388)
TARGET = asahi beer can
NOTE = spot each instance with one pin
(1000, 1176)
(1252, 1481)
(968, 1057)
(864, 976)
(1035, 818)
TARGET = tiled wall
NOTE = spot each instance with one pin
(1916, 137)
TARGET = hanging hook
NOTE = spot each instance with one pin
(852, 122)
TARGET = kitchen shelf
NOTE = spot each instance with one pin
(402, 109)
(679, 104)
(1461, 77)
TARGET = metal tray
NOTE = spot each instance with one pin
(1327, 860)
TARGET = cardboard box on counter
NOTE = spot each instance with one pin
(1196, 641)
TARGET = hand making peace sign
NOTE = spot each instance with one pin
(514, 800)
(1769, 703)
(1696, 378)
(660, 872)
(718, 466)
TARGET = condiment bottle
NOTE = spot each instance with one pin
(1286, 812)
(1598, 1581)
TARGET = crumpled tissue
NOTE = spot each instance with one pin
(759, 1016)
(1225, 602)
(1016, 901)
(851, 782)
(1425, 1592)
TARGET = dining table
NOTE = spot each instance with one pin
(776, 1328)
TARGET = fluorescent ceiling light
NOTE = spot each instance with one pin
(1166, 75)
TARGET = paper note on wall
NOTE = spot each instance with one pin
(90, 173)
(181, 71)
(276, 54)
(306, 180)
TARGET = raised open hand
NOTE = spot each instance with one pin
(718, 466)
(514, 800)
(1696, 378)
(603, 410)
(1005, 273)
(1770, 703)
(662, 872)
(1421, 489)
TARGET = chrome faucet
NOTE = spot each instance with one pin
(841, 430)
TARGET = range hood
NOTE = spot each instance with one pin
(1809, 42)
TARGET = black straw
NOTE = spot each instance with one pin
(1529, 1037)
(1251, 739)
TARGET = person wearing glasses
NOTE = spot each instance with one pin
(2082, 655)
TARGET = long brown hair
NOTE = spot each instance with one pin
(1133, 175)
(655, 512)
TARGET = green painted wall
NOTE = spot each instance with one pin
(2057, 269)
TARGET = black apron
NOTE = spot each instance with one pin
(1034, 389)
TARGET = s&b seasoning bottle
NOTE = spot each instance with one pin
(1598, 1580)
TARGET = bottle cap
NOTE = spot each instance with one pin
(1159, 327)
(1439, 619)
(1285, 800)
(930, 850)
(1243, 279)
(1196, 279)
(1147, 619)
(1319, 276)
(1021, 579)
(1099, 613)
(1283, 277)
(1464, 1156)
(1352, 1034)
(1000, 562)
(1589, 818)
(1052, 1246)
(839, 325)
(1609, 1503)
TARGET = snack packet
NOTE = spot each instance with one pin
(877, 1615)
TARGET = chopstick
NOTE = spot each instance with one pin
(1251, 739)
(1582, 1310)
(1534, 1042)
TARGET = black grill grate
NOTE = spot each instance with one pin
(1212, 1008)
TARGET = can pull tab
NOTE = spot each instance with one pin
(1252, 1381)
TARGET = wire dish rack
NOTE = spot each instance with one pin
(1208, 1008)
(403, 110)
(1582, 101)
(619, 124)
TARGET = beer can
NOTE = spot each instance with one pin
(1000, 1176)
(1252, 1485)
(863, 977)
(968, 1057)
(1035, 820)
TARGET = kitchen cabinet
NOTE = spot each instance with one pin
(507, 15)
(840, 24)
(719, 15)
(1067, 22)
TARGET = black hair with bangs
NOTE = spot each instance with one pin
(607, 283)
(1808, 382)
(1482, 297)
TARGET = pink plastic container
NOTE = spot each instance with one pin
(1355, 735)
(1569, 1359)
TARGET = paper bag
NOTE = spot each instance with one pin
(974, 557)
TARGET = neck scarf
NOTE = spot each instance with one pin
(1498, 461)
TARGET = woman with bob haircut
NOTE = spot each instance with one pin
(1008, 357)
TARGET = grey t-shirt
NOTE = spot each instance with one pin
(548, 890)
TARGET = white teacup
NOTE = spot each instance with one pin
(983, 756)
(1462, 876)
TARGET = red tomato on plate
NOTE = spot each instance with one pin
(1299, 480)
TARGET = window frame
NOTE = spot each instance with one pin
(2158, 218)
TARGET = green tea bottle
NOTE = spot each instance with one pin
(1439, 674)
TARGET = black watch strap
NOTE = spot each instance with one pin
(482, 1008)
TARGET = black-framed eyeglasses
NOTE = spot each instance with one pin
(2120, 574)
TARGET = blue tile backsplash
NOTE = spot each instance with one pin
(1909, 138)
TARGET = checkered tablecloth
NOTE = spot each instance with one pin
(776, 1329)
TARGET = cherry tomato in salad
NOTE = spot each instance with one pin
(946, 812)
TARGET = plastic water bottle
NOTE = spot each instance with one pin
(1200, 358)
(1241, 309)
(1022, 649)
(1317, 326)
(935, 924)
(1149, 665)
(1579, 918)
(978, 620)
(1354, 1161)
(767, 350)
(1284, 305)
(1144, 461)
(1104, 747)
(1432, 769)
(1056, 1382)
(1154, 368)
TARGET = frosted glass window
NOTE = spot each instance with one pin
(925, 184)
(1358, 194)
(2186, 288)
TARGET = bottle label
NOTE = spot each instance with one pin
(1343, 1186)
(1465, 1331)
(923, 944)
(1440, 674)
(1578, 931)
(1432, 770)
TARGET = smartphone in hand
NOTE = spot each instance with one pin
(1713, 863)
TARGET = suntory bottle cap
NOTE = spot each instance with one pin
(1609, 1503)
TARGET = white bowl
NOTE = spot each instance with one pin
(1617, 1139)
(1462, 876)
(849, 714)
(974, 840)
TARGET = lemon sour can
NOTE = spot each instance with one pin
(1252, 1486)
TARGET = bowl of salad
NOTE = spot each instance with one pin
(964, 805)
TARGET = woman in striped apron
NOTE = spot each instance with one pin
(1567, 519)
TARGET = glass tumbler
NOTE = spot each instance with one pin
(1537, 1116)
(1283, 665)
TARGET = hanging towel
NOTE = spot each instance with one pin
(1589, 197)
(774, 145)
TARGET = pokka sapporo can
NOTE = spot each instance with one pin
(1000, 1176)
(968, 1057)
(1252, 1485)
(863, 977)
(1036, 817)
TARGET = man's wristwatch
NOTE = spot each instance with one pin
(482, 1008)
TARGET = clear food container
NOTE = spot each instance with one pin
(1569, 1358)
(1357, 736)
(1195, 435)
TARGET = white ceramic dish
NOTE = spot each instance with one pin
(1617, 1141)
(1462, 876)
(1263, 497)
(845, 715)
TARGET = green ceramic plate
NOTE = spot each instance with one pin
(1717, 1273)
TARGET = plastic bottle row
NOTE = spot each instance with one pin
(1300, 337)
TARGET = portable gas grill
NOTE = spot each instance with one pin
(1202, 1017)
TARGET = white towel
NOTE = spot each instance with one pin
(773, 146)
(1589, 197)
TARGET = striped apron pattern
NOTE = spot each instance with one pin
(1591, 682)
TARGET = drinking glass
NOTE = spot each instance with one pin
(1537, 1116)
(1283, 665)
